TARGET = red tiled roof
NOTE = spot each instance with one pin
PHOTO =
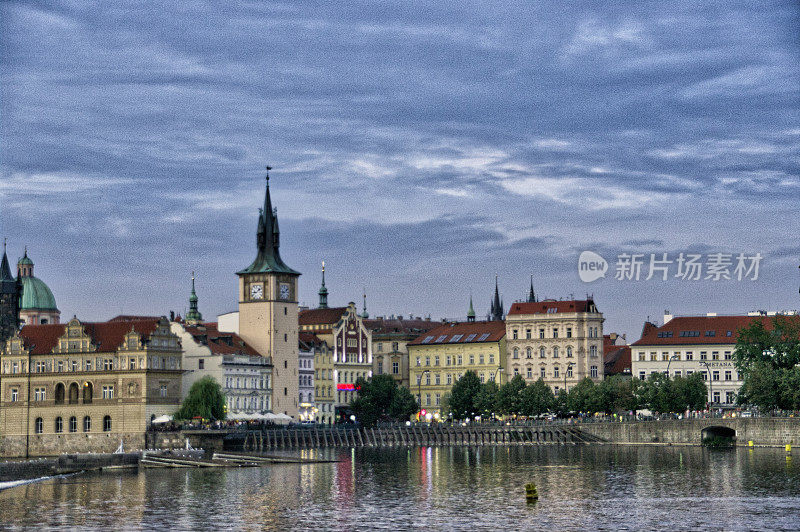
(220, 343)
(321, 316)
(463, 332)
(128, 317)
(689, 330)
(546, 307)
(618, 360)
(106, 336)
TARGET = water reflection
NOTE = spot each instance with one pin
(580, 487)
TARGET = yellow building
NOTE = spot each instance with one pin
(81, 387)
(441, 356)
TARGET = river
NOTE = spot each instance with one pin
(444, 488)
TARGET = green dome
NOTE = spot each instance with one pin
(25, 260)
(36, 295)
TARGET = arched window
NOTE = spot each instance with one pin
(529, 353)
(555, 352)
(59, 424)
(87, 424)
(73, 424)
(61, 391)
(88, 392)
(107, 424)
(569, 352)
(73, 393)
(516, 353)
(541, 352)
(38, 426)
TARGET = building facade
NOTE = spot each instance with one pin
(441, 356)
(268, 310)
(309, 345)
(320, 322)
(684, 345)
(560, 342)
(80, 387)
(242, 373)
(390, 338)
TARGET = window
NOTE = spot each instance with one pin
(470, 338)
(14, 395)
(480, 358)
(491, 358)
(482, 377)
(438, 379)
(449, 379)
(555, 333)
(514, 334)
(593, 372)
(427, 339)
(569, 371)
(419, 361)
(379, 370)
(569, 352)
(40, 367)
(703, 355)
(441, 339)
(73, 424)
(689, 355)
(542, 372)
(715, 355)
(541, 352)
(555, 372)
(483, 337)
(438, 399)
(162, 390)
(107, 424)
(427, 379)
(395, 368)
(641, 357)
(569, 332)
(716, 397)
(642, 375)
(728, 375)
(555, 352)
(728, 355)
(108, 364)
(108, 392)
(460, 360)
(436, 360)
(541, 333)
(380, 346)
(87, 365)
(352, 342)
(516, 371)
(39, 394)
(428, 399)
(530, 372)
(427, 361)
(593, 351)
(60, 365)
(472, 360)
(516, 353)
(60, 393)
(201, 364)
(456, 338)
(38, 425)
(678, 373)
(529, 353)
(730, 397)
(59, 424)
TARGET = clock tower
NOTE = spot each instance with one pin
(268, 310)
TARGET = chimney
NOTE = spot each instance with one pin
(667, 317)
(711, 314)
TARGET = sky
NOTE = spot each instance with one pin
(421, 150)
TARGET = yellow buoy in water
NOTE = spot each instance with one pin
(530, 492)
(788, 448)
(750, 443)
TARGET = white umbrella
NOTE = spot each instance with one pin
(162, 419)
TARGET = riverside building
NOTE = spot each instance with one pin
(560, 342)
(86, 387)
(441, 356)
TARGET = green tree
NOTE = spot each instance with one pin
(537, 399)
(381, 399)
(205, 399)
(619, 394)
(509, 397)
(486, 400)
(761, 386)
(690, 392)
(463, 394)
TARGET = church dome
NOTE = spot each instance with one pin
(36, 295)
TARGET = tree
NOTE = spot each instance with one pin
(690, 392)
(584, 397)
(381, 399)
(761, 386)
(509, 397)
(462, 395)
(486, 401)
(619, 394)
(537, 399)
(205, 399)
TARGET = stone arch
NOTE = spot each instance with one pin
(60, 394)
(718, 435)
(73, 393)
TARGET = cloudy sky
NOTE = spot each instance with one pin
(418, 149)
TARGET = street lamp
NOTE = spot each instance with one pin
(419, 388)
(498, 370)
(673, 357)
(565, 375)
(710, 386)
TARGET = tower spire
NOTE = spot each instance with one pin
(496, 309)
(531, 293)
(193, 316)
(323, 291)
(471, 311)
(365, 314)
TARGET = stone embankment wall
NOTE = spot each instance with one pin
(77, 442)
(68, 463)
(761, 431)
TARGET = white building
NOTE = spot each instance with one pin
(684, 345)
(245, 375)
(309, 344)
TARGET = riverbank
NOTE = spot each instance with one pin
(63, 465)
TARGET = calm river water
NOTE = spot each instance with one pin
(448, 488)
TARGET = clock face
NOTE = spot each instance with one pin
(285, 291)
(256, 291)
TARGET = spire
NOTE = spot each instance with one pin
(268, 259)
(323, 292)
(193, 316)
(531, 294)
(497, 305)
(5, 269)
(365, 314)
(471, 311)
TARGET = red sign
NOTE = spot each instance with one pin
(347, 387)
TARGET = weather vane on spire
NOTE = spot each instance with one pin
(268, 169)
